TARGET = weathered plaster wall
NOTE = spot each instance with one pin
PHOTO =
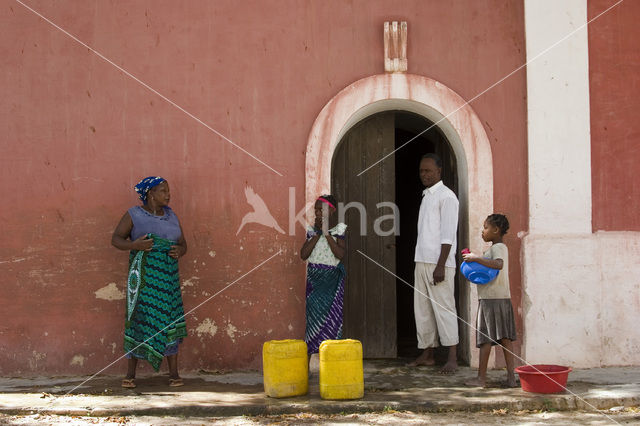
(582, 303)
(78, 133)
(614, 66)
(580, 289)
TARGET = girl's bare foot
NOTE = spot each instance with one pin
(476, 383)
(511, 382)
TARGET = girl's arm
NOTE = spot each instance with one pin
(490, 263)
(308, 246)
(337, 246)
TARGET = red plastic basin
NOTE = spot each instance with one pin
(543, 378)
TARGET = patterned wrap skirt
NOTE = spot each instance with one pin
(325, 295)
(495, 322)
(155, 323)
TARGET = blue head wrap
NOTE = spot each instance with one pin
(143, 187)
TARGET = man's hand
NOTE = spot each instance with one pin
(438, 274)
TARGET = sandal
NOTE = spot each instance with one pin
(174, 383)
(128, 383)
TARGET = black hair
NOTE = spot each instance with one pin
(500, 221)
(331, 199)
(434, 157)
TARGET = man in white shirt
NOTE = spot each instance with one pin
(433, 298)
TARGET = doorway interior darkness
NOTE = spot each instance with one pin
(407, 193)
(408, 197)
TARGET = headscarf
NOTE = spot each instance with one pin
(143, 187)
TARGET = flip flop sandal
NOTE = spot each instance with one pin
(128, 383)
(174, 383)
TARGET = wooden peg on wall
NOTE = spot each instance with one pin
(395, 46)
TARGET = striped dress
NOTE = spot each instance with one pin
(325, 291)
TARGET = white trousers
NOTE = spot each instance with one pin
(435, 307)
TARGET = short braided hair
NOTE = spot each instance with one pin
(500, 221)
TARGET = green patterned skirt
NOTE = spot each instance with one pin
(154, 323)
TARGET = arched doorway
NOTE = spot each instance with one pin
(379, 307)
(433, 101)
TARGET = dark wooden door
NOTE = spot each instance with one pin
(370, 291)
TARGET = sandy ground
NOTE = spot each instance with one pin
(618, 415)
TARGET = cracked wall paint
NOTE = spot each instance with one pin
(110, 292)
(35, 358)
(190, 282)
(207, 327)
(77, 360)
(231, 332)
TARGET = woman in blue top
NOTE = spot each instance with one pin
(154, 325)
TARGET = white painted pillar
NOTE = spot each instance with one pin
(561, 283)
(558, 117)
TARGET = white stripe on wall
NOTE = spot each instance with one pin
(559, 143)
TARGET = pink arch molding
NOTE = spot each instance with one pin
(421, 95)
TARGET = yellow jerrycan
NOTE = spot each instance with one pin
(285, 368)
(341, 373)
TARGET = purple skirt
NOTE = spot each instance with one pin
(325, 294)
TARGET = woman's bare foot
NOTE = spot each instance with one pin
(449, 368)
(176, 382)
(128, 383)
(476, 383)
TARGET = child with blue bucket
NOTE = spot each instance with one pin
(495, 323)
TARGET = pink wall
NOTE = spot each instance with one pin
(78, 134)
(614, 66)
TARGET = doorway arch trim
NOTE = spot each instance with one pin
(428, 98)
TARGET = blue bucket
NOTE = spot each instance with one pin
(477, 273)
